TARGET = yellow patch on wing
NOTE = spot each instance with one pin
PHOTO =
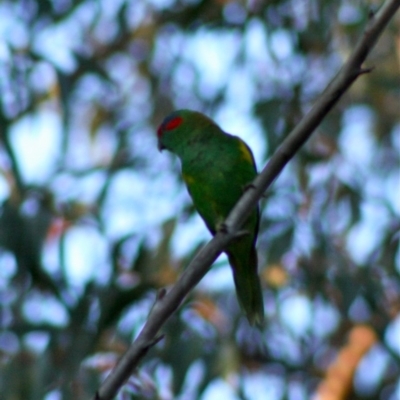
(188, 179)
(246, 153)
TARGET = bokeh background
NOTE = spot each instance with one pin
(94, 220)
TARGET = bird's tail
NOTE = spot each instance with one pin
(247, 283)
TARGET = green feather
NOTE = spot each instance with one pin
(216, 168)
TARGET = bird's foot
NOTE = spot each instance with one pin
(243, 232)
(248, 186)
(226, 229)
(223, 227)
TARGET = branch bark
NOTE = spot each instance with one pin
(167, 304)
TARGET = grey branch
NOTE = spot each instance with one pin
(166, 305)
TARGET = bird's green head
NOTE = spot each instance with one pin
(182, 128)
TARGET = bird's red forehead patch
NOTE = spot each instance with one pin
(173, 123)
(169, 124)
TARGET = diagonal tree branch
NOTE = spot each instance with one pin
(167, 303)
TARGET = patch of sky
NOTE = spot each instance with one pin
(284, 345)
(396, 394)
(143, 142)
(392, 181)
(51, 256)
(111, 8)
(297, 67)
(392, 335)
(303, 236)
(121, 68)
(358, 148)
(235, 13)
(374, 186)
(168, 46)
(8, 268)
(90, 87)
(55, 45)
(319, 173)
(281, 64)
(161, 4)
(7, 318)
(130, 205)
(40, 309)
(255, 45)
(213, 55)
(85, 189)
(86, 151)
(219, 389)
(316, 72)
(356, 141)
(219, 278)
(339, 217)
(359, 310)
(367, 234)
(188, 235)
(185, 76)
(36, 341)
(349, 13)
(98, 359)
(135, 316)
(4, 187)
(367, 379)
(241, 89)
(80, 155)
(136, 13)
(238, 121)
(86, 15)
(260, 386)
(281, 43)
(103, 145)
(43, 77)
(53, 395)
(106, 27)
(194, 376)
(295, 312)
(163, 378)
(12, 30)
(297, 390)
(86, 256)
(301, 13)
(281, 205)
(36, 140)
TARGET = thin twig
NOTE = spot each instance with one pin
(200, 265)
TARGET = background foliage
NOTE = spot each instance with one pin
(94, 220)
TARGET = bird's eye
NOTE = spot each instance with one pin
(173, 123)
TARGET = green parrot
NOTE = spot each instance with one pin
(216, 168)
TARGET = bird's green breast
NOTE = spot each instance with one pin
(216, 173)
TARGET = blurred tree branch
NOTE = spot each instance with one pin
(167, 303)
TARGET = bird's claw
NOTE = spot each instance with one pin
(243, 232)
(223, 227)
(249, 186)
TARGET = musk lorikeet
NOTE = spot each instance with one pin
(216, 168)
